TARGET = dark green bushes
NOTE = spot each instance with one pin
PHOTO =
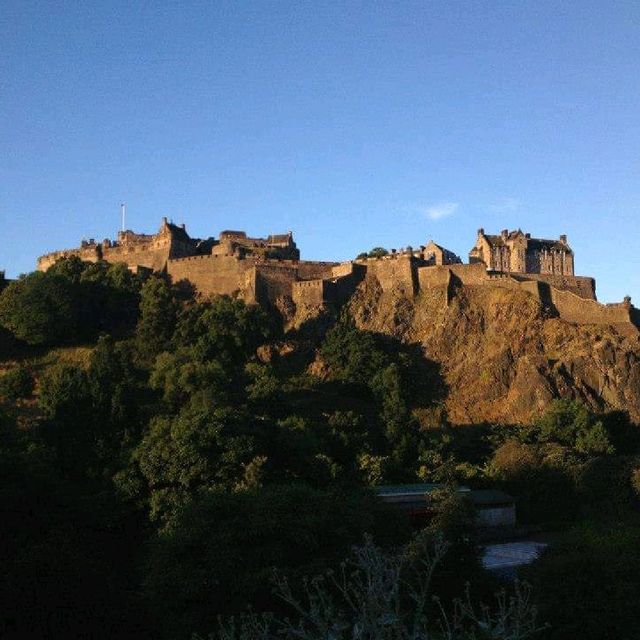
(16, 383)
(72, 302)
(219, 554)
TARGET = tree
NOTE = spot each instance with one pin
(203, 447)
(220, 553)
(587, 582)
(72, 301)
(570, 423)
(65, 401)
(40, 309)
(90, 415)
(66, 549)
(353, 355)
(544, 486)
(222, 329)
(158, 312)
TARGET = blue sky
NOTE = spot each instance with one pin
(353, 124)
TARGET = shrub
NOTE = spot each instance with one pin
(587, 583)
(370, 598)
(17, 383)
(220, 553)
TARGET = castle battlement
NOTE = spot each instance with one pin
(269, 270)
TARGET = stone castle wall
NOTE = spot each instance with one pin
(580, 285)
(397, 273)
(220, 268)
(573, 308)
(342, 285)
(309, 293)
(152, 254)
(579, 308)
(213, 274)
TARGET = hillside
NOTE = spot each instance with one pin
(502, 356)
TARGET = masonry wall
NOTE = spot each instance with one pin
(395, 273)
(274, 280)
(573, 308)
(467, 274)
(579, 285)
(152, 255)
(432, 277)
(308, 270)
(309, 292)
(344, 269)
(88, 254)
(213, 275)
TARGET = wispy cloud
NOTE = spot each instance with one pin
(505, 205)
(440, 210)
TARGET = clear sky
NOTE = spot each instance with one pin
(353, 124)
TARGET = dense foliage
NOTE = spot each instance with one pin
(161, 455)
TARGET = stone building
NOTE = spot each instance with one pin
(274, 246)
(434, 254)
(518, 252)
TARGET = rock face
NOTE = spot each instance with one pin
(503, 356)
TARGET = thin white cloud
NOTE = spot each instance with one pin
(441, 210)
(505, 205)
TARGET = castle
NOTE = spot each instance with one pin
(269, 271)
(518, 252)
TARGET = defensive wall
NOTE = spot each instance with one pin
(152, 252)
(569, 305)
(342, 284)
(250, 278)
(265, 271)
(213, 274)
(573, 308)
(580, 285)
(394, 272)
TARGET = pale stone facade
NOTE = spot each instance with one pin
(518, 252)
(435, 254)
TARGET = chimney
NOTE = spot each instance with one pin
(563, 239)
(527, 236)
(164, 221)
(480, 231)
(183, 226)
(504, 233)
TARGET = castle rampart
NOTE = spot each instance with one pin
(269, 271)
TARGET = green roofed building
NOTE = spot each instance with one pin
(493, 508)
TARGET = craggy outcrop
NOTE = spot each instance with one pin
(502, 353)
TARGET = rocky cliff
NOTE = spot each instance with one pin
(502, 355)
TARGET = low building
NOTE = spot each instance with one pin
(493, 508)
(434, 254)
